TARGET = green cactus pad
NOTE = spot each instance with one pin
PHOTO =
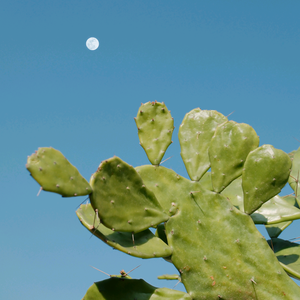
(206, 181)
(130, 289)
(266, 171)
(55, 174)
(228, 151)
(123, 201)
(274, 211)
(216, 248)
(241, 266)
(143, 244)
(295, 173)
(234, 192)
(288, 254)
(155, 127)
(195, 133)
(275, 230)
(160, 179)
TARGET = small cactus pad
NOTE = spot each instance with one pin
(55, 174)
(123, 201)
(155, 127)
(295, 172)
(266, 171)
(288, 254)
(228, 151)
(129, 289)
(195, 133)
(143, 244)
(274, 211)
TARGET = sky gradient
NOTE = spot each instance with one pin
(230, 56)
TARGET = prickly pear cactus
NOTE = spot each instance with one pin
(205, 226)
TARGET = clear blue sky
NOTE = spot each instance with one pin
(240, 56)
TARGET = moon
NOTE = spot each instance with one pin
(92, 43)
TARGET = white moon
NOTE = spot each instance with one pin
(92, 43)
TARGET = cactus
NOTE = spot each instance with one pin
(205, 225)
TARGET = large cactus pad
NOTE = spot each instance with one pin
(121, 198)
(216, 248)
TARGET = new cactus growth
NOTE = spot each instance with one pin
(205, 226)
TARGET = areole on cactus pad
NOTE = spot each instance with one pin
(205, 225)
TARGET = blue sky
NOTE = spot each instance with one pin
(240, 56)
